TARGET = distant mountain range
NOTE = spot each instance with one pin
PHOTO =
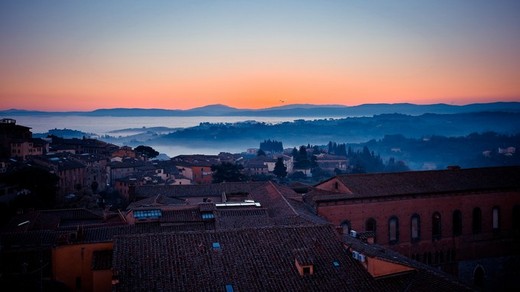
(293, 110)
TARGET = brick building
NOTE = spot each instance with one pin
(444, 218)
(196, 167)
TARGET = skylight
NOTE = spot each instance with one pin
(147, 214)
(208, 216)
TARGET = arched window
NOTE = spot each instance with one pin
(345, 227)
(436, 226)
(393, 230)
(476, 222)
(496, 218)
(516, 217)
(370, 225)
(415, 228)
(457, 223)
(478, 277)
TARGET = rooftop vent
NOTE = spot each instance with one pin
(358, 256)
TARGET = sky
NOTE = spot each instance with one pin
(59, 55)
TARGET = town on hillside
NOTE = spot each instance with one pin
(80, 214)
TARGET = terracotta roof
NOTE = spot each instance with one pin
(53, 219)
(427, 182)
(182, 215)
(211, 190)
(424, 278)
(256, 259)
(158, 200)
(242, 218)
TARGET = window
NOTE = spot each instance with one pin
(393, 230)
(415, 228)
(208, 216)
(478, 277)
(457, 223)
(436, 226)
(147, 214)
(345, 226)
(496, 218)
(476, 222)
(516, 217)
(370, 225)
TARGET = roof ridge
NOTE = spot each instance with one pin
(284, 199)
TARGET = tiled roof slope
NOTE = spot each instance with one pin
(242, 218)
(52, 219)
(210, 190)
(438, 181)
(46, 238)
(257, 259)
(424, 278)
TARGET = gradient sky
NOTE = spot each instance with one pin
(83, 55)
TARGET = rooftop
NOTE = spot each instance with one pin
(422, 182)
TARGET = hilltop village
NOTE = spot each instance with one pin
(86, 215)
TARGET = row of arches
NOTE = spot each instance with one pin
(437, 226)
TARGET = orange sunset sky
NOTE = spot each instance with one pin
(83, 55)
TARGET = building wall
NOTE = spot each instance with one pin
(70, 178)
(102, 281)
(202, 174)
(24, 149)
(445, 249)
(72, 264)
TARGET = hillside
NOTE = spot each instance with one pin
(294, 110)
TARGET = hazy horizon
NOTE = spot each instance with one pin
(262, 108)
(59, 55)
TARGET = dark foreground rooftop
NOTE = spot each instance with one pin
(254, 259)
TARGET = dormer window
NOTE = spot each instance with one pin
(304, 262)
